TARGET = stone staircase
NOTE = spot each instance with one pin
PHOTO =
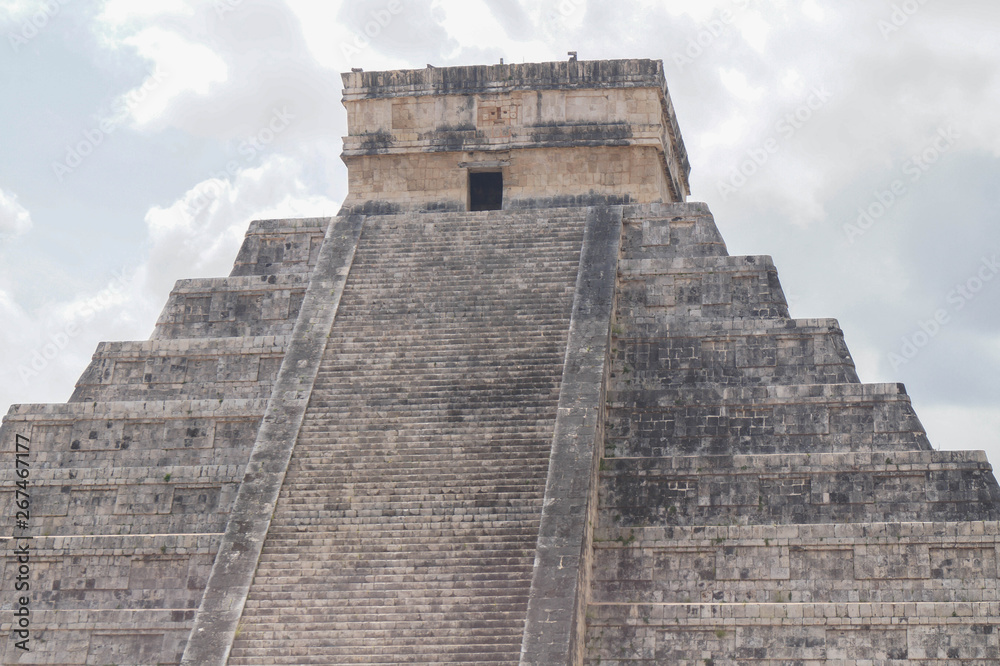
(409, 514)
(132, 480)
(752, 502)
(758, 505)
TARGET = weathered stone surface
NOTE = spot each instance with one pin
(757, 504)
(562, 133)
(412, 500)
(252, 306)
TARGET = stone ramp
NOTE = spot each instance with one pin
(131, 482)
(756, 504)
(408, 518)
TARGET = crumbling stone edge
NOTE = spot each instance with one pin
(560, 578)
(222, 604)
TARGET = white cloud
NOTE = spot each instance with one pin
(14, 218)
(121, 12)
(180, 67)
(754, 30)
(736, 82)
(200, 233)
(813, 10)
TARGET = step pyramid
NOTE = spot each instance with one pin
(571, 430)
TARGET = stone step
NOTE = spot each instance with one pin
(718, 420)
(220, 368)
(897, 486)
(429, 424)
(232, 307)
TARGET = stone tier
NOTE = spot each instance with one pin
(807, 418)
(135, 434)
(281, 246)
(758, 505)
(735, 352)
(855, 634)
(819, 563)
(220, 368)
(250, 306)
(896, 486)
(667, 230)
(104, 572)
(105, 636)
(652, 292)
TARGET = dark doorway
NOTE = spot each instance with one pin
(486, 190)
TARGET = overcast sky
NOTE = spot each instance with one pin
(855, 141)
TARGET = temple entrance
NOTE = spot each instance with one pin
(485, 190)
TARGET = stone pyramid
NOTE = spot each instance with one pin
(515, 404)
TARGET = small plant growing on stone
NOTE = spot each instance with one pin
(166, 477)
(720, 633)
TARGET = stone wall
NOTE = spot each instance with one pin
(439, 181)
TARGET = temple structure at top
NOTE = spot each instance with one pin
(513, 136)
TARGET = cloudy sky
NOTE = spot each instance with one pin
(855, 141)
